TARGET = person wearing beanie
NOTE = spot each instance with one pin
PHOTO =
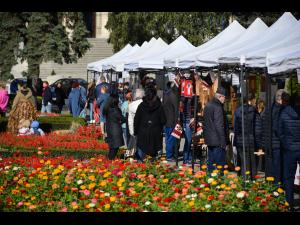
(35, 128)
(216, 132)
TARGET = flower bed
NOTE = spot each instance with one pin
(86, 138)
(64, 184)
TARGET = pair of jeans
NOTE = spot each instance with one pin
(187, 156)
(277, 165)
(289, 170)
(91, 111)
(170, 142)
(47, 108)
(216, 155)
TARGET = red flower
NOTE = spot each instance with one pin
(210, 198)
(169, 199)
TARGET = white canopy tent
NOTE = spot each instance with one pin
(156, 49)
(278, 31)
(252, 34)
(118, 65)
(97, 66)
(284, 59)
(177, 48)
(257, 57)
(227, 36)
(107, 64)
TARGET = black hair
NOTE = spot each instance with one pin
(112, 102)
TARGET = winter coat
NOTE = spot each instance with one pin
(101, 101)
(25, 94)
(215, 124)
(148, 126)
(250, 116)
(289, 129)
(60, 96)
(97, 91)
(258, 131)
(4, 98)
(47, 97)
(74, 102)
(91, 95)
(132, 107)
(276, 110)
(171, 108)
(114, 119)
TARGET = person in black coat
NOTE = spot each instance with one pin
(216, 132)
(60, 97)
(250, 116)
(47, 98)
(148, 124)
(289, 134)
(275, 165)
(171, 108)
(91, 98)
(114, 120)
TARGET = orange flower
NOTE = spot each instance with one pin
(237, 168)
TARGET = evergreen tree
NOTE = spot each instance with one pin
(57, 36)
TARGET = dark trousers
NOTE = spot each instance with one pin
(277, 165)
(112, 153)
(289, 170)
(216, 155)
(250, 161)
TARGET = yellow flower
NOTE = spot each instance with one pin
(56, 178)
(16, 178)
(27, 203)
(222, 186)
(56, 171)
(45, 178)
(203, 167)
(165, 180)
(61, 167)
(131, 184)
(42, 161)
(227, 188)
(122, 180)
(206, 189)
(247, 172)
(48, 162)
(92, 178)
(280, 190)
(225, 172)
(214, 182)
(92, 186)
(107, 206)
(20, 181)
(27, 185)
(33, 198)
(103, 183)
(140, 184)
(82, 187)
(82, 175)
(191, 203)
(106, 174)
(121, 188)
(75, 206)
(286, 203)
(219, 167)
(112, 199)
(270, 178)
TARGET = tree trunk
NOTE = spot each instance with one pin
(33, 68)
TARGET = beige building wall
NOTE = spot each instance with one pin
(101, 20)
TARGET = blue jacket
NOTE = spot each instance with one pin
(74, 102)
(289, 129)
(97, 90)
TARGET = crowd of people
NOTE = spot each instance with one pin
(139, 119)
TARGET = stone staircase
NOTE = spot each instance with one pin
(100, 49)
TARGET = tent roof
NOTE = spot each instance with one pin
(253, 32)
(283, 26)
(176, 48)
(98, 64)
(118, 64)
(284, 59)
(227, 36)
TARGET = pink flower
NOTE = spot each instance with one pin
(94, 200)
(65, 209)
(86, 192)
(20, 203)
(74, 203)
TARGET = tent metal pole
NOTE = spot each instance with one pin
(243, 123)
(269, 125)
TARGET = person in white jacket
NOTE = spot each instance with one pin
(132, 107)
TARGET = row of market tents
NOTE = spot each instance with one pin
(276, 48)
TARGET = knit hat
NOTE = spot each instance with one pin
(221, 91)
(35, 124)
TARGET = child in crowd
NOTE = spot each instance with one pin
(24, 127)
(35, 128)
